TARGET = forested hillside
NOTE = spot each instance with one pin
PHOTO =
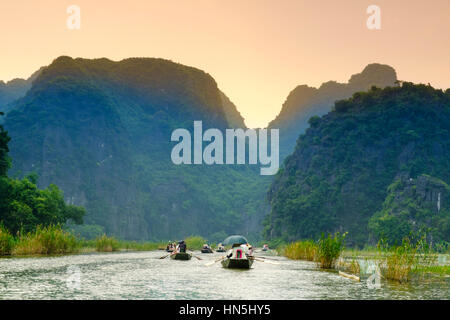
(101, 130)
(351, 165)
(13, 90)
(23, 206)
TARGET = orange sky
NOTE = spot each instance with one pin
(257, 50)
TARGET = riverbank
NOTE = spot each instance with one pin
(403, 263)
(54, 240)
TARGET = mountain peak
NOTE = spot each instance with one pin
(374, 74)
(305, 102)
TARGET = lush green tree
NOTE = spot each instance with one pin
(23, 206)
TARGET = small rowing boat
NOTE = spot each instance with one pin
(237, 263)
(220, 248)
(181, 256)
(237, 259)
(206, 249)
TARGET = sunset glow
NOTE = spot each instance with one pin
(256, 50)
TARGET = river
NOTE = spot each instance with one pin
(141, 275)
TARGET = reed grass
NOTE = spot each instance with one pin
(301, 250)
(329, 250)
(398, 263)
(141, 246)
(7, 242)
(104, 243)
(438, 270)
(195, 242)
(46, 240)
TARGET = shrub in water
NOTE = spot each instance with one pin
(329, 249)
(399, 262)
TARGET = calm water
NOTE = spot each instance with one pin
(141, 275)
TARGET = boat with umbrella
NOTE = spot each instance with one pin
(237, 257)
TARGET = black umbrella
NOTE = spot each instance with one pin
(236, 239)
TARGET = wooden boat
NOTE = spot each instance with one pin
(181, 256)
(237, 259)
(237, 263)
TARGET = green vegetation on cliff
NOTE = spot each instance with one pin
(101, 130)
(339, 174)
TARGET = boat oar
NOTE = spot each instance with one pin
(212, 262)
(266, 261)
(198, 258)
(267, 258)
(163, 257)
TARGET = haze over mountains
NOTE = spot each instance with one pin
(13, 90)
(100, 130)
(304, 102)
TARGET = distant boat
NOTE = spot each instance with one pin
(220, 248)
(181, 256)
(265, 247)
(206, 249)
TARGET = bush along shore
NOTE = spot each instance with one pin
(413, 259)
(54, 240)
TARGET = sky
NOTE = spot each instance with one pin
(256, 50)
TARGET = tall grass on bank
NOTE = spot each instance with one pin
(400, 262)
(141, 246)
(325, 252)
(195, 242)
(47, 240)
(301, 250)
(106, 244)
(329, 249)
(6, 241)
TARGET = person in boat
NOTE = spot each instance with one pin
(181, 246)
(231, 251)
(250, 250)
